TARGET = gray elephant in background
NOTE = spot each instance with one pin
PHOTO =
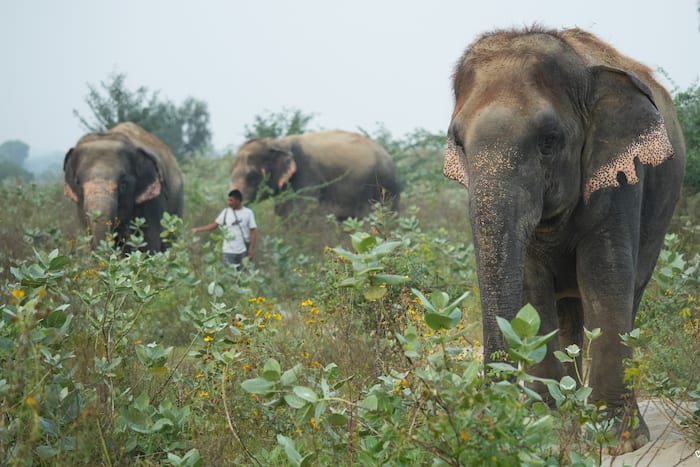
(345, 171)
(573, 159)
(123, 173)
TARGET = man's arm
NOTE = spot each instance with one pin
(205, 228)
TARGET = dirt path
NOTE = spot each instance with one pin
(666, 448)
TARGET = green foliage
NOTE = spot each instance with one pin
(184, 129)
(688, 107)
(345, 344)
(418, 156)
(668, 328)
(278, 124)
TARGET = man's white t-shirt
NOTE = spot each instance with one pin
(233, 241)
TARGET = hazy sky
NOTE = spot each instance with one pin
(351, 63)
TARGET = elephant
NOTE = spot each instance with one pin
(573, 158)
(123, 173)
(344, 171)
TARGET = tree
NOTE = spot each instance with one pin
(688, 108)
(184, 129)
(277, 124)
(13, 153)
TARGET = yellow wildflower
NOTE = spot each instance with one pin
(204, 394)
(199, 375)
(307, 303)
(246, 367)
(261, 326)
(277, 316)
(314, 310)
(316, 364)
(208, 339)
(31, 402)
(18, 293)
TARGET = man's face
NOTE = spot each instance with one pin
(234, 203)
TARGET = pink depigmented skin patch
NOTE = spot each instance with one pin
(651, 148)
(68, 191)
(149, 193)
(452, 166)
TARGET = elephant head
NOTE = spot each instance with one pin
(259, 161)
(107, 174)
(538, 136)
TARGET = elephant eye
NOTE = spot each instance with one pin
(549, 142)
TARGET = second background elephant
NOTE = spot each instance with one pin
(345, 171)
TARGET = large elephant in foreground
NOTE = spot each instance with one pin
(345, 171)
(573, 159)
(123, 173)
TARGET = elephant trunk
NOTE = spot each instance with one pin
(502, 219)
(100, 196)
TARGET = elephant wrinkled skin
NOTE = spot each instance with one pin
(344, 171)
(573, 159)
(123, 173)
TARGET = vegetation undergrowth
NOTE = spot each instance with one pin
(347, 343)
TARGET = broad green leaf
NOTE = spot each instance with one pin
(503, 367)
(562, 357)
(370, 402)
(555, 392)
(527, 322)
(290, 376)
(389, 279)
(305, 393)
(583, 393)
(573, 350)
(568, 383)
(438, 321)
(439, 299)
(46, 451)
(362, 242)
(290, 450)
(294, 401)
(375, 293)
(56, 319)
(271, 370)
(508, 333)
(158, 371)
(58, 262)
(349, 282)
(424, 301)
(385, 248)
(337, 419)
(258, 386)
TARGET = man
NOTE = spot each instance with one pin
(239, 227)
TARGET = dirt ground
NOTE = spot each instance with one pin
(666, 448)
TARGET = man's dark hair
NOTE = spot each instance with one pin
(236, 194)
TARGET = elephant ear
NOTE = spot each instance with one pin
(453, 166)
(149, 176)
(624, 125)
(282, 166)
(67, 189)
